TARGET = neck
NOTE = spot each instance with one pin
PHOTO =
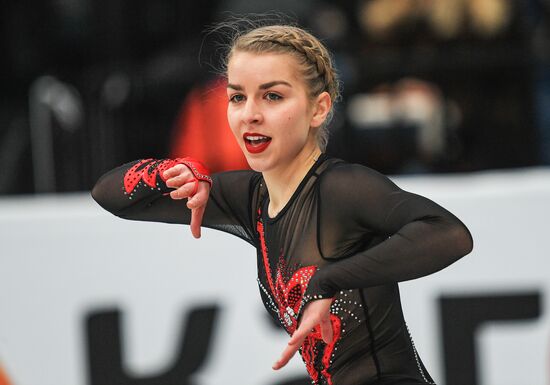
(284, 180)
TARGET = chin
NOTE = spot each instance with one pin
(258, 165)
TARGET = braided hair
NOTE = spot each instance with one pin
(312, 56)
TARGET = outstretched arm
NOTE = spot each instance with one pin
(155, 190)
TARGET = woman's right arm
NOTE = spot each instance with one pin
(140, 190)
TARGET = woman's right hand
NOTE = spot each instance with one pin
(187, 186)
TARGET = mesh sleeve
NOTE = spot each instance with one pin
(417, 236)
(228, 208)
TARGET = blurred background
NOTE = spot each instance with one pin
(450, 93)
(429, 86)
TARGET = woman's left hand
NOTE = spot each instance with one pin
(315, 313)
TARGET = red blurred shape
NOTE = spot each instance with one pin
(202, 131)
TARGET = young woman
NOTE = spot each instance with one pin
(333, 239)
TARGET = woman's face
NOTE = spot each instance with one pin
(269, 111)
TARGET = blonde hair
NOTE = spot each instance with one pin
(315, 62)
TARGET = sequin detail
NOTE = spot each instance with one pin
(417, 358)
(150, 173)
(288, 302)
(313, 345)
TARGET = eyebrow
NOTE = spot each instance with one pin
(262, 86)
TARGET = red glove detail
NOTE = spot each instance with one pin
(147, 170)
(199, 170)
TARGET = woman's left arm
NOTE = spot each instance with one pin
(421, 237)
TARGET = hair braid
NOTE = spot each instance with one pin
(302, 43)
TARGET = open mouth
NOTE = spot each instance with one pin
(256, 143)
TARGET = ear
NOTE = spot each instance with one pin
(321, 108)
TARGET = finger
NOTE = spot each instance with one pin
(200, 197)
(178, 180)
(183, 191)
(301, 333)
(196, 220)
(326, 330)
(195, 187)
(288, 353)
(305, 327)
(174, 171)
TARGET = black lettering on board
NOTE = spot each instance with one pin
(105, 352)
(461, 316)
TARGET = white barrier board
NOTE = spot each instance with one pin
(63, 259)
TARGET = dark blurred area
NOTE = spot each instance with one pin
(429, 86)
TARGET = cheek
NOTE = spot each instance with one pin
(231, 119)
(296, 123)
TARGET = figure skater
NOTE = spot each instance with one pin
(333, 239)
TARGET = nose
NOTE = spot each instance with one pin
(252, 113)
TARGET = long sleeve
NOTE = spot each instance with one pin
(227, 209)
(403, 235)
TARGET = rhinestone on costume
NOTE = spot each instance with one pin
(288, 319)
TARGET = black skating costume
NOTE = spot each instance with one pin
(347, 232)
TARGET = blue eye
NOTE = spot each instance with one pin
(236, 98)
(272, 96)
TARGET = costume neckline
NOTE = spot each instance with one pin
(322, 157)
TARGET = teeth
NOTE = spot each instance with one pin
(256, 137)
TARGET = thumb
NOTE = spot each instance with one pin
(326, 330)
